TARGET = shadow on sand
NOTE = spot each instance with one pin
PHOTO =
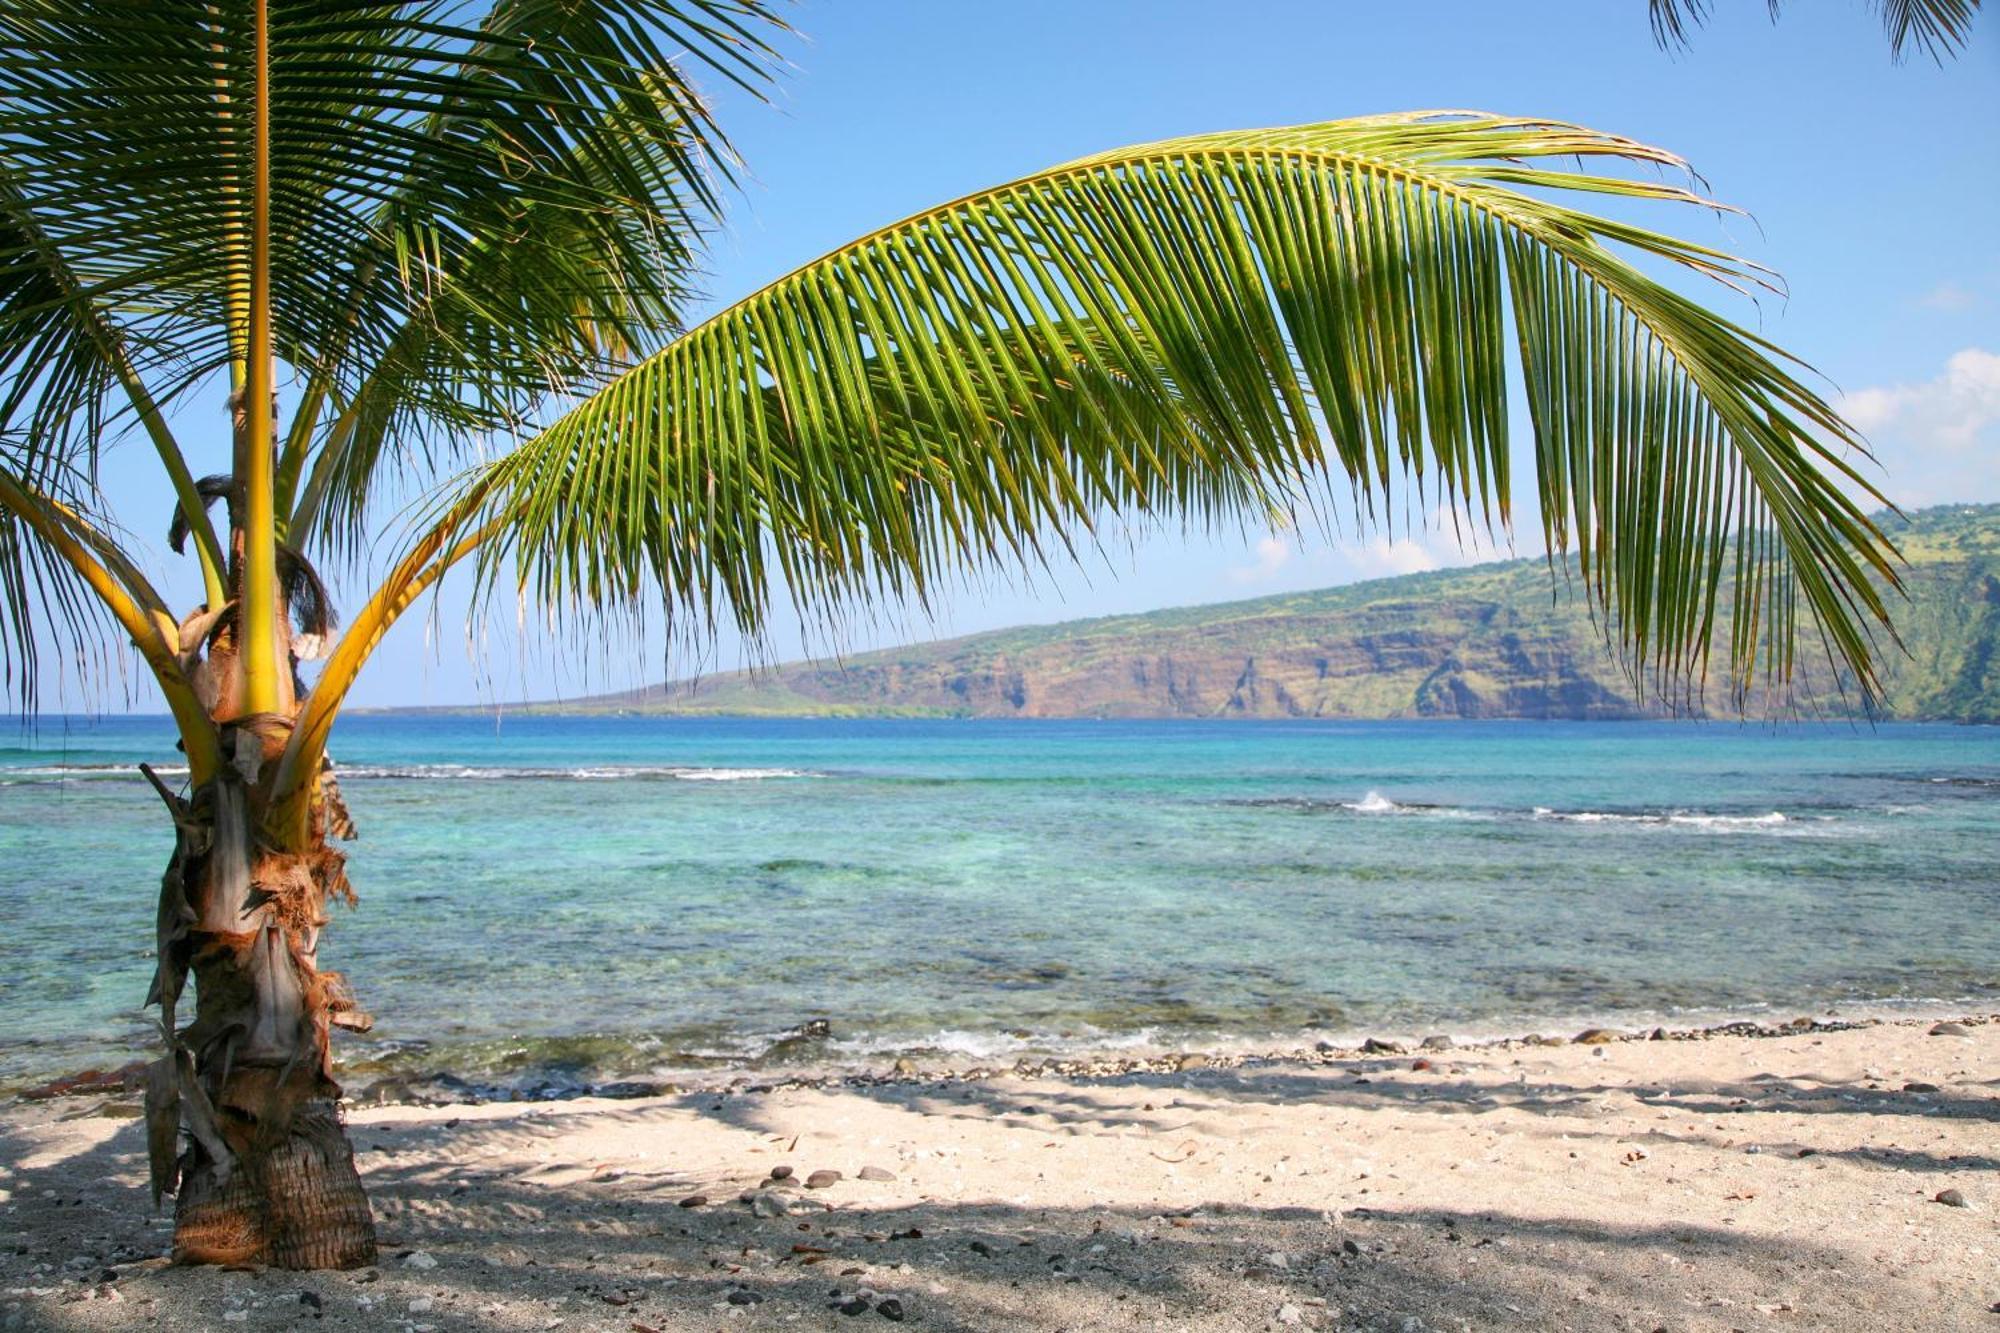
(516, 1251)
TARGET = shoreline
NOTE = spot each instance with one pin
(1103, 1065)
(1843, 1177)
(448, 1087)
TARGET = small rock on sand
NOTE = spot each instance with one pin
(781, 1172)
(1377, 1046)
(1950, 1030)
(1950, 1198)
(743, 1296)
(1595, 1037)
(694, 1201)
(418, 1259)
(819, 1180)
(1290, 1314)
(891, 1309)
(876, 1173)
(1437, 1041)
(766, 1204)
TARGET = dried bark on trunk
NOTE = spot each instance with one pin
(267, 1175)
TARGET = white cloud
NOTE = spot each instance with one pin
(1385, 557)
(1938, 440)
(1272, 555)
(1950, 297)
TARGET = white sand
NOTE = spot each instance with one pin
(1714, 1184)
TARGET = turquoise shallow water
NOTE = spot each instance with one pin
(554, 899)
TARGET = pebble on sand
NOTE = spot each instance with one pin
(819, 1180)
(1950, 1198)
(1377, 1046)
(1949, 1029)
(876, 1173)
(694, 1201)
(1595, 1037)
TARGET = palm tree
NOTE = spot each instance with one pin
(465, 229)
(1940, 27)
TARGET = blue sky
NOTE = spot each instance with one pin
(1872, 187)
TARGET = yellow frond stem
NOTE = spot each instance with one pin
(136, 607)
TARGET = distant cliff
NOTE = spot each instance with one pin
(1490, 641)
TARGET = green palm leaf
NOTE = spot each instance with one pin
(411, 144)
(1230, 325)
(1940, 27)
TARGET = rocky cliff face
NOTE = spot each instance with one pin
(1491, 641)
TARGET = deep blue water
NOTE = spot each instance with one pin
(622, 895)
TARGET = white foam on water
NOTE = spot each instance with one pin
(1670, 819)
(590, 773)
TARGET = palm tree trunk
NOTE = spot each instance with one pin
(267, 1176)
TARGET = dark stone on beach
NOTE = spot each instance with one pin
(628, 1090)
(694, 1201)
(1437, 1041)
(819, 1180)
(1950, 1030)
(1421, 1065)
(891, 1310)
(1920, 1087)
(859, 1305)
(913, 1233)
(1350, 1248)
(1377, 1046)
(742, 1296)
(1950, 1198)
(1595, 1037)
(876, 1173)
(311, 1300)
(805, 1042)
(981, 1247)
(781, 1172)
(1659, 1034)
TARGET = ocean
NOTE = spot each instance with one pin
(550, 903)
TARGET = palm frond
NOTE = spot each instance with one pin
(51, 625)
(411, 143)
(1224, 326)
(1940, 27)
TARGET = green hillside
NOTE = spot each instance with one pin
(1489, 641)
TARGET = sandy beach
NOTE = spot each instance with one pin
(1830, 1177)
